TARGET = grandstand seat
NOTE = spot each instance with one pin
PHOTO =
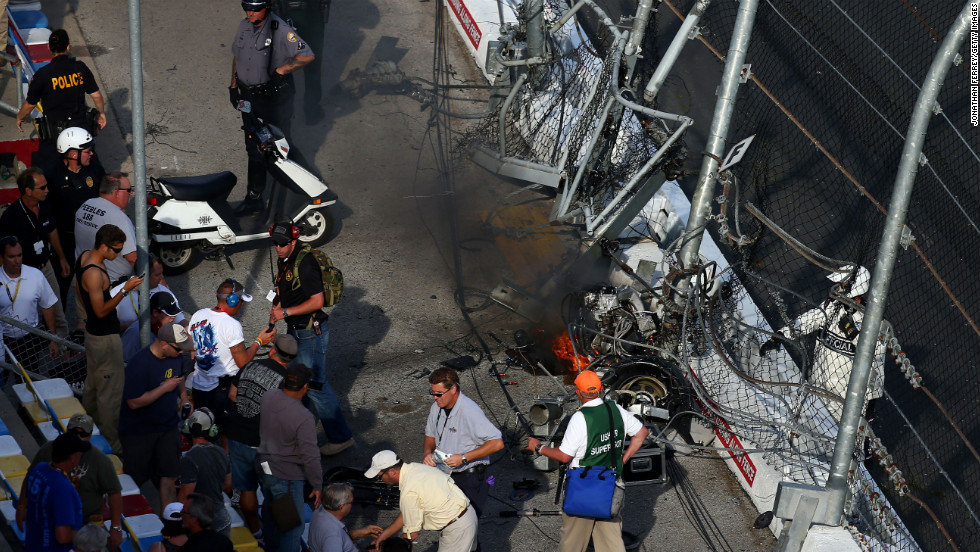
(4, 430)
(242, 539)
(14, 465)
(9, 511)
(116, 463)
(146, 525)
(129, 486)
(64, 408)
(144, 544)
(29, 19)
(236, 520)
(101, 443)
(15, 482)
(9, 446)
(48, 430)
(23, 5)
(48, 389)
(133, 505)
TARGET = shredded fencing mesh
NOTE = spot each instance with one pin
(767, 356)
(849, 75)
(41, 354)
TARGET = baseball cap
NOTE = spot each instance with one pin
(286, 347)
(172, 511)
(66, 445)
(381, 461)
(588, 382)
(81, 421)
(199, 422)
(281, 233)
(297, 375)
(176, 335)
(165, 303)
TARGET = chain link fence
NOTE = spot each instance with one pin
(828, 95)
(829, 100)
(41, 354)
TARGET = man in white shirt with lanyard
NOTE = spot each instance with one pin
(220, 345)
(25, 289)
(458, 427)
(582, 445)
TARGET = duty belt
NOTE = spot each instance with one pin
(266, 89)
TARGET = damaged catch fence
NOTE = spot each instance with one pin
(830, 97)
(41, 354)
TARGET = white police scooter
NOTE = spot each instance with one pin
(190, 215)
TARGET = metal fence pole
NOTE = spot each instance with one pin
(887, 253)
(715, 147)
(139, 165)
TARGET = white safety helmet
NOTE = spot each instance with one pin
(73, 138)
(859, 278)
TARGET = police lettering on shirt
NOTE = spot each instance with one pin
(67, 81)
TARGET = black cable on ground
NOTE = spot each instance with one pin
(695, 510)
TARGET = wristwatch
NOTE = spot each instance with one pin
(463, 456)
(116, 528)
(284, 313)
(537, 449)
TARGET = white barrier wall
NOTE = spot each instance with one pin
(478, 23)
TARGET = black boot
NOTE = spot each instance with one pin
(252, 204)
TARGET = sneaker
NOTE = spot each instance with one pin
(78, 387)
(236, 498)
(330, 449)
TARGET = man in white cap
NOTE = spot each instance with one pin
(152, 397)
(220, 345)
(838, 321)
(428, 499)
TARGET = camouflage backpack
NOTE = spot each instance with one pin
(333, 278)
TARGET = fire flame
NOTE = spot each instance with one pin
(562, 347)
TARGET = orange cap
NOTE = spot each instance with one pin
(588, 382)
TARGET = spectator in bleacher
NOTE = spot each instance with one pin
(174, 534)
(197, 516)
(288, 454)
(60, 87)
(94, 477)
(327, 530)
(150, 411)
(241, 423)
(73, 179)
(220, 344)
(163, 310)
(30, 219)
(104, 377)
(205, 469)
(53, 508)
(91, 538)
(25, 292)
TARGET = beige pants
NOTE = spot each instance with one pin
(60, 322)
(460, 536)
(104, 384)
(607, 534)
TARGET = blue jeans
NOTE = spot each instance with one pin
(312, 351)
(273, 488)
(243, 475)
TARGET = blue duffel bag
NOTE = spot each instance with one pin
(593, 492)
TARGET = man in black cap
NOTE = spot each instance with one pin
(153, 394)
(241, 423)
(54, 509)
(94, 477)
(163, 310)
(287, 455)
(299, 301)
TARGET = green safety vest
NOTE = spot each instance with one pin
(598, 451)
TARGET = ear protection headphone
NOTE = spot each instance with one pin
(294, 230)
(196, 429)
(232, 298)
